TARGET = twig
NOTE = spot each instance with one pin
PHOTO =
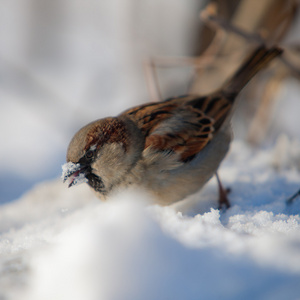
(209, 16)
(290, 200)
(295, 70)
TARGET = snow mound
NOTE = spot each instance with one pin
(60, 243)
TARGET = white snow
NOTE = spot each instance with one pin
(69, 173)
(60, 71)
(68, 169)
(60, 243)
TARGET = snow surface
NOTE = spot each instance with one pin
(59, 243)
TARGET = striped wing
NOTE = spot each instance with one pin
(183, 125)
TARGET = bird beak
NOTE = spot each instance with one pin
(75, 173)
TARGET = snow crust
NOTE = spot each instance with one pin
(59, 243)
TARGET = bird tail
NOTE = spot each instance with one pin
(255, 62)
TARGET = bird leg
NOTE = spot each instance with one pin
(223, 199)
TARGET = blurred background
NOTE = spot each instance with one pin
(66, 63)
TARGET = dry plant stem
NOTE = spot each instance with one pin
(201, 62)
(295, 70)
(229, 37)
(152, 81)
(259, 125)
(222, 28)
(260, 122)
(290, 200)
(151, 65)
(220, 24)
(210, 57)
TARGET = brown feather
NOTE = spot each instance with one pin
(195, 130)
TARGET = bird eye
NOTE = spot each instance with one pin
(89, 154)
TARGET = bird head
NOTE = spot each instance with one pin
(102, 153)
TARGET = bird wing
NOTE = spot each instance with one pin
(183, 125)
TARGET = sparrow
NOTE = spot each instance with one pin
(169, 148)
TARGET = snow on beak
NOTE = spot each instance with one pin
(74, 173)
